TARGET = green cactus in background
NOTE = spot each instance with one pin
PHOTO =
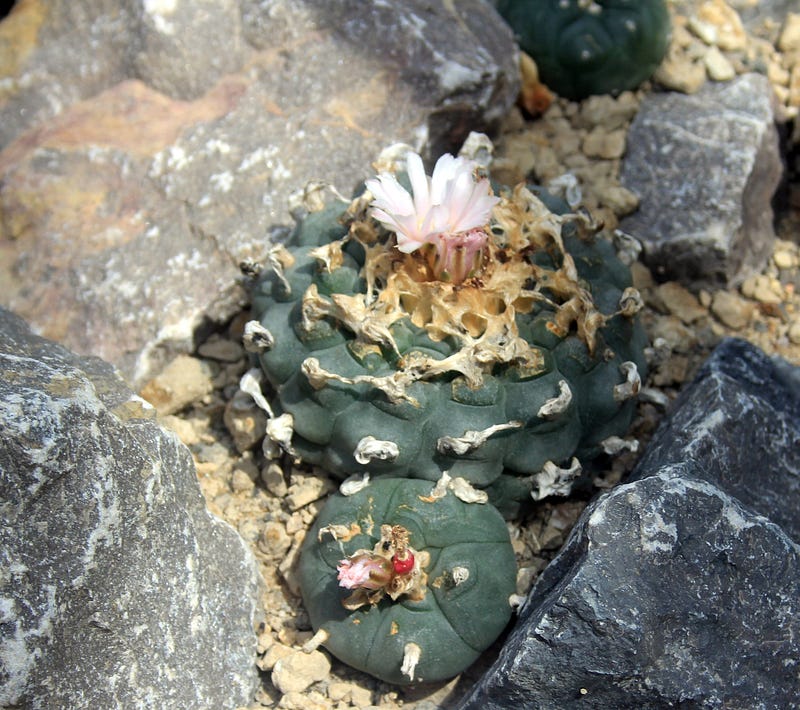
(429, 578)
(585, 47)
(497, 356)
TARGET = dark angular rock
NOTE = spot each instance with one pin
(669, 593)
(118, 589)
(156, 179)
(675, 589)
(739, 420)
(705, 167)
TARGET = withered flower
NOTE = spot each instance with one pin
(364, 571)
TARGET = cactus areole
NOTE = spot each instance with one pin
(430, 325)
(585, 47)
(405, 581)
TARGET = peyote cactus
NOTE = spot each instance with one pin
(585, 47)
(405, 581)
(489, 337)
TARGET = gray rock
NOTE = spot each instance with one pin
(705, 167)
(146, 201)
(117, 588)
(669, 593)
(740, 421)
(183, 47)
(59, 52)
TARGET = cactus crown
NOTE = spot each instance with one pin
(430, 574)
(585, 47)
(477, 314)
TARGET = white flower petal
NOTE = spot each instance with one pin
(387, 220)
(419, 183)
(390, 195)
(437, 221)
(477, 209)
(459, 199)
(445, 170)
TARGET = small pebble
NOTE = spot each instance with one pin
(245, 422)
(681, 74)
(717, 66)
(763, 289)
(672, 372)
(338, 690)
(250, 530)
(295, 523)
(184, 380)
(273, 479)
(525, 578)
(794, 332)
(351, 693)
(291, 636)
(274, 541)
(728, 28)
(298, 670)
(789, 41)
(777, 74)
(274, 654)
(609, 112)
(642, 276)
(793, 94)
(680, 302)
(704, 31)
(732, 310)
(361, 697)
(304, 701)
(185, 430)
(241, 482)
(784, 259)
(215, 453)
(222, 349)
(249, 466)
(674, 333)
(307, 489)
(601, 144)
(621, 200)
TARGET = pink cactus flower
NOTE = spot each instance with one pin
(364, 571)
(450, 210)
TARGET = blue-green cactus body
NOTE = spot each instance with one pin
(585, 47)
(470, 575)
(331, 421)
